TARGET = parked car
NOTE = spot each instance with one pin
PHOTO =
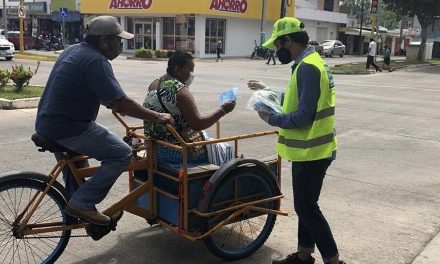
(333, 47)
(7, 49)
(317, 46)
(29, 42)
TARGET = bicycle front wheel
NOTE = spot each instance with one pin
(45, 247)
(243, 235)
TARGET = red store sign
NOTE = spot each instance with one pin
(235, 6)
(130, 4)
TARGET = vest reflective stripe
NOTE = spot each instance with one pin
(325, 113)
(317, 140)
(304, 144)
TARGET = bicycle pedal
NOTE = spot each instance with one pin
(96, 232)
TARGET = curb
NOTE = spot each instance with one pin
(19, 103)
(430, 253)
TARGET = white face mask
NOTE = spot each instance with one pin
(189, 80)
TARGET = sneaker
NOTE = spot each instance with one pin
(294, 259)
(91, 216)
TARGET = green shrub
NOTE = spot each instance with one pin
(4, 77)
(161, 53)
(143, 53)
(20, 76)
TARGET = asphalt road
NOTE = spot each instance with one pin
(380, 196)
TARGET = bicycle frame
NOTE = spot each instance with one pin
(148, 163)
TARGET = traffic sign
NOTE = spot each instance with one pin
(21, 11)
(64, 12)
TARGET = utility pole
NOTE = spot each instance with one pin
(5, 21)
(361, 41)
(283, 8)
(21, 30)
(263, 15)
(377, 26)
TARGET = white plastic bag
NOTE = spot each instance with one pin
(218, 153)
(266, 100)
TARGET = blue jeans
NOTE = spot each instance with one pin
(101, 144)
(307, 179)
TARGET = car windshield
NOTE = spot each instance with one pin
(328, 43)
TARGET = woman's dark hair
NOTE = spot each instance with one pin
(299, 37)
(178, 58)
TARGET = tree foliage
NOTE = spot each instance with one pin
(427, 11)
(389, 19)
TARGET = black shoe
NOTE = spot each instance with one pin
(294, 259)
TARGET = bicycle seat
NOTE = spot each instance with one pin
(49, 145)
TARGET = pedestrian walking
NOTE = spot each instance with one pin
(371, 55)
(306, 136)
(271, 56)
(386, 58)
(219, 49)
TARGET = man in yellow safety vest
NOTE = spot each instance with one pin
(306, 136)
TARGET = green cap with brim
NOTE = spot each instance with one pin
(283, 26)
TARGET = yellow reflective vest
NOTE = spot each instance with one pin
(317, 140)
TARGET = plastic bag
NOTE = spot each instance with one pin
(218, 153)
(266, 100)
(228, 96)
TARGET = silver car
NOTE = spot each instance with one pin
(333, 47)
(7, 49)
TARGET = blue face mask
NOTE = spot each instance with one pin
(284, 55)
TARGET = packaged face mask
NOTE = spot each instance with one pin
(228, 96)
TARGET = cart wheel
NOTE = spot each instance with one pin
(245, 233)
(38, 248)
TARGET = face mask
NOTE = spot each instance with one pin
(284, 55)
(112, 53)
(189, 80)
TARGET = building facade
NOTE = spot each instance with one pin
(321, 18)
(193, 25)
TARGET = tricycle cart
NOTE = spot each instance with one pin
(232, 208)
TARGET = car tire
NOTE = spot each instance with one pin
(331, 54)
(9, 58)
(342, 54)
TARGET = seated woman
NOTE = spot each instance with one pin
(170, 94)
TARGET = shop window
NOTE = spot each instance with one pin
(178, 33)
(214, 31)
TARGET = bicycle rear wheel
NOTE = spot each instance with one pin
(244, 234)
(38, 248)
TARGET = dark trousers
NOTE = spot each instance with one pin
(271, 56)
(218, 54)
(307, 179)
(370, 61)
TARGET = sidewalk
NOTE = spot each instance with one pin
(431, 253)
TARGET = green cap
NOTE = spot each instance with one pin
(283, 26)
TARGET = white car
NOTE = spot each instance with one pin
(7, 49)
(333, 47)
